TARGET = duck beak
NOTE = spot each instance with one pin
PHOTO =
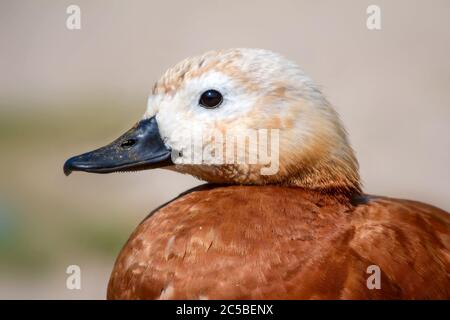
(139, 148)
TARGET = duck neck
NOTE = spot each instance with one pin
(334, 175)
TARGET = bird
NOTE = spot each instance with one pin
(292, 223)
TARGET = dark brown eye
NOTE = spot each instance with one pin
(211, 99)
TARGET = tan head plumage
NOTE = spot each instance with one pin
(261, 90)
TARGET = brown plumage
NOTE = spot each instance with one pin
(270, 242)
(304, 230)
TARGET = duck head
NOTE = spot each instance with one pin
(239, 116)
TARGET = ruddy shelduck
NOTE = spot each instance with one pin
(297, 226)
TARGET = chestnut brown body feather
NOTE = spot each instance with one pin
(273, 242)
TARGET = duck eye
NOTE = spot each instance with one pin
(211, 99)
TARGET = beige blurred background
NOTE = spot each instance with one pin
(63, 92)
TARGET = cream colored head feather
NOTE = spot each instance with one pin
(260, 90)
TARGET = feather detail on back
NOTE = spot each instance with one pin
(273, 242)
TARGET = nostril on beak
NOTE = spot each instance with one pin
(128, 143)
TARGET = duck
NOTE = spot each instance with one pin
(283, 214)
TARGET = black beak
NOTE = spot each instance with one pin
(139, 148)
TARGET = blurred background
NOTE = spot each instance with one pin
(63, 92)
